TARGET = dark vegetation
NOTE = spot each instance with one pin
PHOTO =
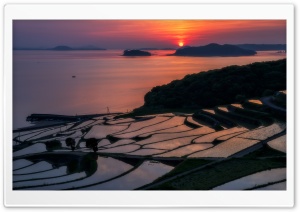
(71, 143)
(265, 151)
(279, 99)
(52, 145)
(213, 120)
(214, 49)
(218, 87)
(218, 174)
(92, 144)
(263, 117)
(136, 53)
(156, 110)
(184, 166)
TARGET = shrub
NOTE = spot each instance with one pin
(70, 141)
(51, 145)
(92, 144)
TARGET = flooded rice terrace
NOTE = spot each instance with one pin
(109, 153)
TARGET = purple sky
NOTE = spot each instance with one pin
(145, 33)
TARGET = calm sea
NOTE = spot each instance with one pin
(43, 81)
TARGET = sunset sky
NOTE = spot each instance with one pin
(121, 34)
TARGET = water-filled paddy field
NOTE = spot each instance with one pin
(114, 153)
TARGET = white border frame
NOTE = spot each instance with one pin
(147, 198)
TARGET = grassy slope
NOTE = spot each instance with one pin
(221, 173)
(186, 165)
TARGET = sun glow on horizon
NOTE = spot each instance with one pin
(130, 34)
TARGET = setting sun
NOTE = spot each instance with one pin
(180, 43)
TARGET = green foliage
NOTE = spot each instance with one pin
(219, 87)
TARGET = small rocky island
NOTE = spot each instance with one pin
(135, 52)
(214, 49)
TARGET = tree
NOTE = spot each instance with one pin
(51, 145)
(71, 143)
(92, 144)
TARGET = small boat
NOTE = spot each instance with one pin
(73, 76)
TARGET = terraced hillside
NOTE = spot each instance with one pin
(214, 148)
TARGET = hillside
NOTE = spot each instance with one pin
(220, 86)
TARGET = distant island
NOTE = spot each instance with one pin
(226, 47)
(263, 47)
(67, 48)
(136, 52)
(62, 48)
(214, 49)
(157, 49)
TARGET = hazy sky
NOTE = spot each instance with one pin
(121, 34)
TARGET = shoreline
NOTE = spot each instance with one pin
(63, 119)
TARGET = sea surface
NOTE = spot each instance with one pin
(88, 82)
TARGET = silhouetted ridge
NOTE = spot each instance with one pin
(89, 47)
(149, 48)
(62, 48)
(263, 47)
(214, 49)
(220, 86)
(68, 48)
